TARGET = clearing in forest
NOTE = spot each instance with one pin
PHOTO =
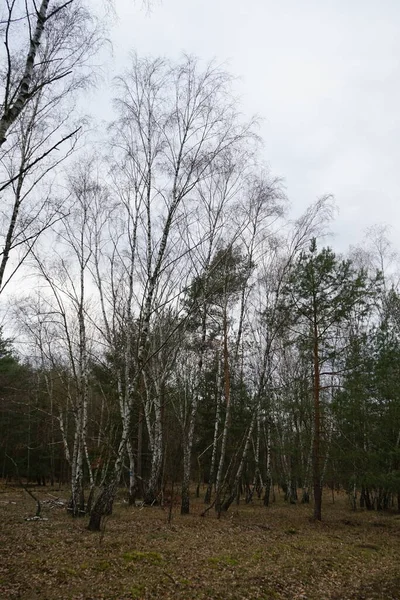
(252, 552)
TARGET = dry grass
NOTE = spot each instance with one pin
(252, 552)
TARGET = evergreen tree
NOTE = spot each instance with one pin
(367, 412)
(320, 297)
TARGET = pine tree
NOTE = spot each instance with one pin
(320, 297)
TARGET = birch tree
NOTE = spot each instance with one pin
(64, 303)
(45, 58)
(217, 194)
(173, 122)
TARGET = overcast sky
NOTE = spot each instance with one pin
(323, 75)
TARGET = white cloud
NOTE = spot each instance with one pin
(324, 75)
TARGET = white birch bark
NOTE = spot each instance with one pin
(12, 110)
(268, 479)
(217, 421)
(227, 396)
(170, 116)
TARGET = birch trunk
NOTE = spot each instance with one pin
(224, 506)
(153, 487)
(126, 383)
(13, 110)
(132, 477)
(268, 478)
(228, 405)
(211, 480)
(8, 243)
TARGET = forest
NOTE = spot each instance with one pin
(172, 334)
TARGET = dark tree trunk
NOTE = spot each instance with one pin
(362, 498)
(90, 501)
(368, 503)
(102, 507)
(185, 504)
(293, 492)
(267, 491)
(224, 506)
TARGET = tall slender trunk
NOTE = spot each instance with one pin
(82, 389)
(77, 501)
(187, 450)
(6, 250)
(103, 504)
(13, 110)
(317, 427)
(305, 498)
(211, 479)
(152, 489)
(398, 466)
(235, 485)
(227, 393)
(90, 474)
(139, 473)
(187, 453)
(132, 477)
(268, 478)
(257, 479)
(188, 437)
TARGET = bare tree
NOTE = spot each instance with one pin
(47, 48)
(174, 121)
(65, 306)
(216, 194)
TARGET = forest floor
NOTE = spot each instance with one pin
(252, 552)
